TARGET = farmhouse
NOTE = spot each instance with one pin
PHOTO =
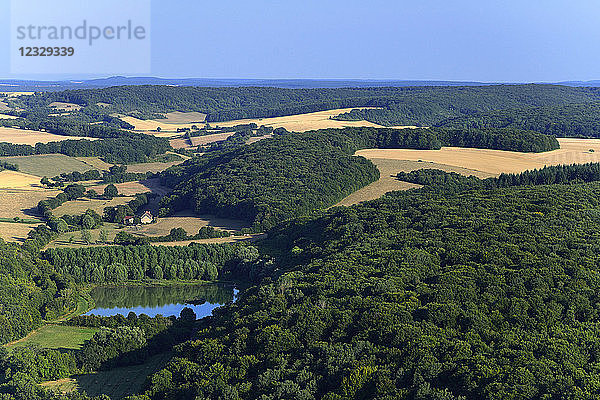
(128, 220)
(147, 218)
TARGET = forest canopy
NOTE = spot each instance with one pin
(293, 175)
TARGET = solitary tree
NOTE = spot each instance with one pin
(111, 191)
(86, 236)
(61, 226)
(88, 222)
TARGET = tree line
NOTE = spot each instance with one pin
(570, 120)
(121, 263)
(126, 149)
(435, 179)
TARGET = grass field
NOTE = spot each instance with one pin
(94, 163)
(151, 167)
(24, 136)
(497, 161)
(56, 337)
(47, 164)
(116, 383)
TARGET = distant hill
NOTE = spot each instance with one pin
(27, 85)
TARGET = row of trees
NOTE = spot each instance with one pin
(438, 180)
(126, 149)
(121, 263)
(175, 235)
(65, 126)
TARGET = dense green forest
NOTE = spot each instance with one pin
(293, 175)
(464, 289)
(126, 149)
(30, 290)
(571, 120)
(486, 294)
(66, 127)
(271, 180)
(113, 264)
(400, 106)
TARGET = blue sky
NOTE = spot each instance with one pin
(500, 41)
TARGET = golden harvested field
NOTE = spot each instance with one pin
(135, 187)
(6, 116)
(13, 180)
(177, 117)
(47, 164)
(22, 203)
(151, 124)
(207, 139)
(4, 106)
(24, 136)
(298, 123)
(302, 122)
(387, 182)
(255, 139)
(180, 143)
(11, 232)
(572, 151)
(78, 207)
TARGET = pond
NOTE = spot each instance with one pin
(163, 300)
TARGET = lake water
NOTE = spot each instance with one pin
(163, 300)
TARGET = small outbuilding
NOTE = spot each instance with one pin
(147, 218)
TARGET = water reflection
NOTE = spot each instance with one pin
(164, 300)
